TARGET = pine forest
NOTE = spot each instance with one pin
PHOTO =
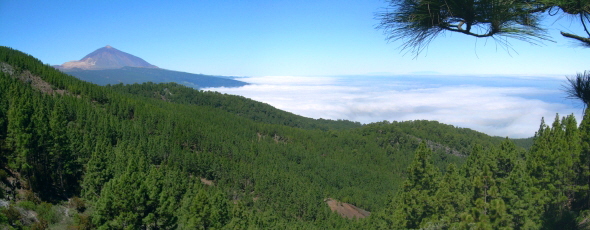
(74, 155)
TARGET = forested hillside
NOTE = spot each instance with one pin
(158, 156)
(238, 105)
(503, 187)
(137, 161)
(461, 139)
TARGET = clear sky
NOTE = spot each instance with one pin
(264, 37)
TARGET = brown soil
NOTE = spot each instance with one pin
(206, 182)
(346, 210)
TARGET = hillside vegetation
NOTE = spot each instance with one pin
(163, 156)
(130, 75)
(241, 106)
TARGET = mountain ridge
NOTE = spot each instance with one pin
(108, 65)
(106, 58)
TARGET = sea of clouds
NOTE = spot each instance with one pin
(496, 105)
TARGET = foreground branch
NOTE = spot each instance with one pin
(586, 41)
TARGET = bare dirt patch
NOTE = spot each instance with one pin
(346, 210)
(207, 182)
(27, 77)
(37, 83)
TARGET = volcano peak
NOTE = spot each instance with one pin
(107, 58)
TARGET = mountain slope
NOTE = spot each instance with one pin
(100, 143)
(106, 58)
(93, 142)
(108, 65)
(241, 106)
(131, 75)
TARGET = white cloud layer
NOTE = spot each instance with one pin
(496, 110)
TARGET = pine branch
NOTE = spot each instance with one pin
(584, 40)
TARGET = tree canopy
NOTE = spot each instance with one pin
(162, 156)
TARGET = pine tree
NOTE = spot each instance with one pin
(416, 201)
(98, 172)
(124, 200)
(62, 161)
(202, 210)
(583, 180)
(523, 198)
(553, 163)
(20, 129)
(450, 197)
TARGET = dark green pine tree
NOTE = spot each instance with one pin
(485, 172)
(514, 204)
(40, 178)
(20, 129)
(124, 200)
(4, 88)
(583, 180)
(450, 199)
(98, 172)
(523, 198)
(416, 201)
(553, 163)
(62, 161)
(483, 191)
(166, 188)
(202, 209)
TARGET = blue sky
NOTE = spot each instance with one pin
(316, 58)
(264, 37)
